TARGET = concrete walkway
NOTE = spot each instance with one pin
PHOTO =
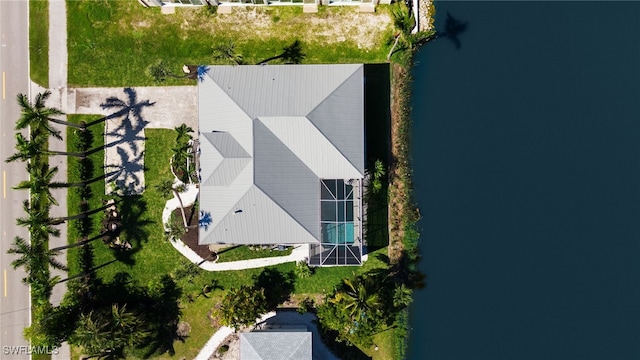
(188, 197)
(58, 84)
(218, 337)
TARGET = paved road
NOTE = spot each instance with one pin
(14, 296)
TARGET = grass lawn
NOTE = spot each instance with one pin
(246, 253)
(39, 41)
(152, 256)
(386, 348)
(112, 43)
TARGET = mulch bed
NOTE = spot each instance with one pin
(190, 238)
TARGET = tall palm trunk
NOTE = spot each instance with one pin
(82, 126)
(60, 220)
(184, 217)
(79, 243)
(85, 273)
(66, 153)
(395, 43)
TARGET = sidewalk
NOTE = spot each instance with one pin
(58, 84)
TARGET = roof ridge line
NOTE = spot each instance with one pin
(283, 209)
(322, 102)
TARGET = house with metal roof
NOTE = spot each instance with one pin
(282, 158)
(284, 344)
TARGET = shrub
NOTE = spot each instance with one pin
(183, 329)
(305, 305)
(303, 270)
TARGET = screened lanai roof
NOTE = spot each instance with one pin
(268, 135)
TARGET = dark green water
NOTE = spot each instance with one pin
(526, 148)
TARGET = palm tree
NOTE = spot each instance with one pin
(165, 187)
(241, 306)
(180, 161)
(159, 72)
(82, 215)
(37, 116)
(105, 333)
(38, 222)
(359, 297)
(226, 52)
(175, 230)
(184, 131)
(404, 21)
(34, 257)
(402, 296)
(40, 183)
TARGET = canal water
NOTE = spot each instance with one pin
(526, 149)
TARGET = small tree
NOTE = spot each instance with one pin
(187, 270)
(165, 187)
(402, 297)
(183, 330)
(241, 306)
(302, 269)
(175, 230)
(159, 72)
(305, 305)
(226, 52)
(355, 310)
(183, 154)
(106, 332)
(378, 173)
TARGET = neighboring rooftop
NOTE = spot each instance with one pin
(276, 345)
(271, 138)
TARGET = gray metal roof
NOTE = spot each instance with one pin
(271, 345)
(270, 133)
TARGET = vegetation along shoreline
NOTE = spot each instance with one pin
(167, 306)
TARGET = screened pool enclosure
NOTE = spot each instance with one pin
(341, 223)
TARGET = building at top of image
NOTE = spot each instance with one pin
(282, 158)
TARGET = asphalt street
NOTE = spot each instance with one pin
(14, 62)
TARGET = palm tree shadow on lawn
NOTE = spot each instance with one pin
(133, 209)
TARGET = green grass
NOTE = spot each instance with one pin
(386, 350)
(151, 255)
(325, 279)
(39, 41)
(245, 253)
(41, 357)
(154, 256)
(112, 43)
